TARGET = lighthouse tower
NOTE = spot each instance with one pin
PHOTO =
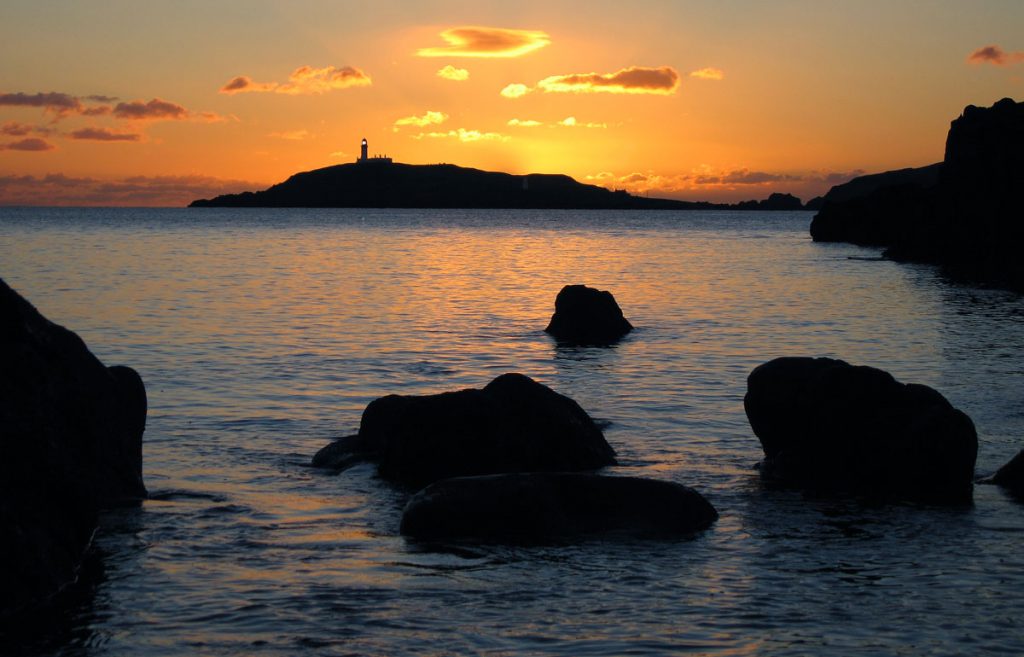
(364, 156)
(362, 153)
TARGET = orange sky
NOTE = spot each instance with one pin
(129, 103)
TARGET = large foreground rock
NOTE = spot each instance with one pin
(514, 424)
(70, 444)
(830, 426)
(540, 506)
(584, 315)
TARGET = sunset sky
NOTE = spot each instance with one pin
(144, 103)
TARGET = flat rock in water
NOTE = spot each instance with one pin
(554, 505)
(587, 316)
(829, 426)
(513, 424)
(70, 444)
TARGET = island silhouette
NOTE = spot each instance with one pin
(378, 182)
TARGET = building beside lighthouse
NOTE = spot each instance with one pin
(365, 158)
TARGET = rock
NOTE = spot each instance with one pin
(829, 426)
(341, 453)
(1011, 475)
(514, 424)
(584, 315)
(960, 214)
(540, 506)
(70, 444)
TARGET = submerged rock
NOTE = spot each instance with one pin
(539, 506)
(830, 426)
(513, 424)
(70, 444)
(1011, 475)
(584, 315)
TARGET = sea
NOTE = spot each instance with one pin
(261, 334)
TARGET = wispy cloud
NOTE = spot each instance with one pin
(663, 80)
(571, 122)
(153, 110)
(291, 135)
(477, 41)
(528, 123)
(304, 80)
(451, 73)
(59, 189)
(102, 134)
(31, 144)
(708, 73)
(430, 118)
(55, 103)
(463, 135)
(996, 56)
(15, 129)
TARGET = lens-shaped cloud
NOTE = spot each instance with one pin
(477, 41)
(32, 144)
(451, 73)
(102, 134)
(708, 73)
(663, 80)
(995, 55)
(430, 118)
(156, 109)
(524, 123)
(463, 135)
(304, 80)
(515, 90)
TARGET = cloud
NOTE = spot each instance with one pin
(476, 41)
(995, 55)
(528, 123)
(32, 144)
(102, 134)
(53, 102)
(304, 80)
(451, 73)
(708, 73)
(291, 135)
(463, 135)
(430, 118)
(15, 129)
(156, 109)
(59, 189)
(743, 177)
(663, 81)
(515, 90)
(633, 178)
(571, 122)
(603, 175)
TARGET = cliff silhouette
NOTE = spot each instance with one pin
(962, 213)
(391, 185)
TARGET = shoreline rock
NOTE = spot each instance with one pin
(70, 444)
(587, 316)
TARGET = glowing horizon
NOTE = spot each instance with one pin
(709, 103)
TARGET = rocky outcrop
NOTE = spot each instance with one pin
(961, 214)
(829, 426)
(513, 424)
(776, 202)
(587, 316)
(543, 506)
(70, 444)
(1011, 475)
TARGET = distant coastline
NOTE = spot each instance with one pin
(384, 184)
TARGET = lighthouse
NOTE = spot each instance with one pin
(362, 153)
(364, 157)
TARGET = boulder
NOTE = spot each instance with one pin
(829, 426)
(513, 424)
(541, 506)
(1011, 475)
(70, 444)
(584, 315)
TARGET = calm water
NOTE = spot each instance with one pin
(261, 334)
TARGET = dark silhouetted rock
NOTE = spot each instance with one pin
(540, 506)
(815, 203)
(341, 453)
(775, 202)
(962, 214)
(70, 444)
(829, 426)
(513, 424)
(584, 315)
(1011, 475)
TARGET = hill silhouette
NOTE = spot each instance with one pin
(391, 185)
